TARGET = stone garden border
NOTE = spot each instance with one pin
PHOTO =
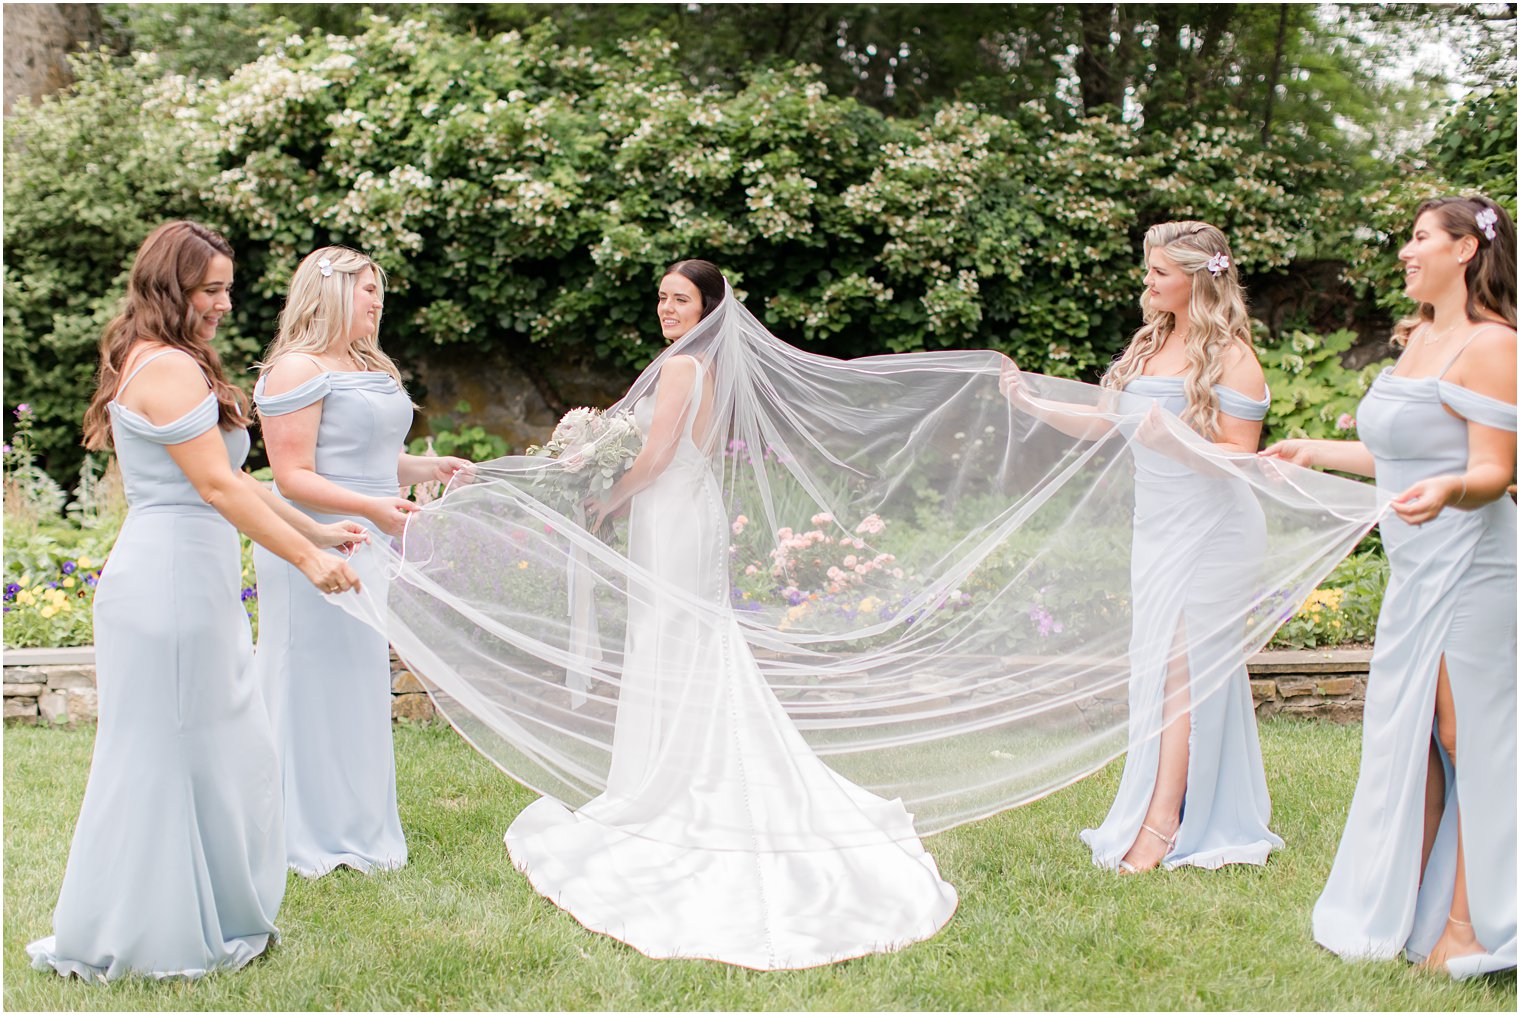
(57, 685)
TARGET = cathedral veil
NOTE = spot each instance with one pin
(934, 582)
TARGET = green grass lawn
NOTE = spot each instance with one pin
(1038, 925)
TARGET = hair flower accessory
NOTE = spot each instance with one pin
(1218, 264)
(1486, 219)
(325, 267)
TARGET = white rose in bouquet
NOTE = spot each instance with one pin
(593, 449)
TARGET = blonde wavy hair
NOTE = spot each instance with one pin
(1217, 319)
(318, 309)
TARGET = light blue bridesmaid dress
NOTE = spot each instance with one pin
(1451, 591)
(326, 676)
(177, 864)
(1215, 528)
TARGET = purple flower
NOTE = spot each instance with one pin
(11, 590)
(69, 567)
(52, 585)
(23, 409)
(5, 449)
(250, 593)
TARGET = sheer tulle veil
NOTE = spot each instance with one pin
(933, 581)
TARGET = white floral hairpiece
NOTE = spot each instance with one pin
(1218, 264)
(1486, 220)
(325, 267)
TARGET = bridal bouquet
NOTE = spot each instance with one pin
(593, 447)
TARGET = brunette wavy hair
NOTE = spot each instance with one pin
(1490, 274)
(169, 265)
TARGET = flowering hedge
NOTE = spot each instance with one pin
(524, 195)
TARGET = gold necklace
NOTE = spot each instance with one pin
(1431, 340)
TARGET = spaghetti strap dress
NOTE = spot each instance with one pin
(1451, 593)
(177, 864)
(721, 834)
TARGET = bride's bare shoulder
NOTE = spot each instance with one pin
(679, 370)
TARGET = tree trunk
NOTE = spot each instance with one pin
(1101, 82)
(1272, 79)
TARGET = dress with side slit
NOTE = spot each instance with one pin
(1451, 594)
(1211, 527)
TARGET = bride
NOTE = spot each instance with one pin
(720, 835)
(853, 602)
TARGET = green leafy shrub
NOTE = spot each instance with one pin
(449, 437)
(523, 194)
(1313, 395)
(1343, 610)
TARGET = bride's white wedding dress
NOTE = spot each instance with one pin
(930, 593)
(720, 834)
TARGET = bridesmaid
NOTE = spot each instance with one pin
(335, 419)
(1196, 795)
(1427, 862)
(175, 867)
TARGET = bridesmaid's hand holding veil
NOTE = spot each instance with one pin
(1426, 499)
(344, 535)
(329, 574)
(445, 467)
(389, 514)
(1011, 382)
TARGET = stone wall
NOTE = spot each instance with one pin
(58, 686)
(1311, 684)
(509, 397)
(37, 37)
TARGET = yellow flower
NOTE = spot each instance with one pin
(1322, 598)
(522, 565)
(48, 611)
(24, 580)
(26, 598)
(54, 596)
(85, 562)
(1335, 623)
(68, 583)
(870, 604)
